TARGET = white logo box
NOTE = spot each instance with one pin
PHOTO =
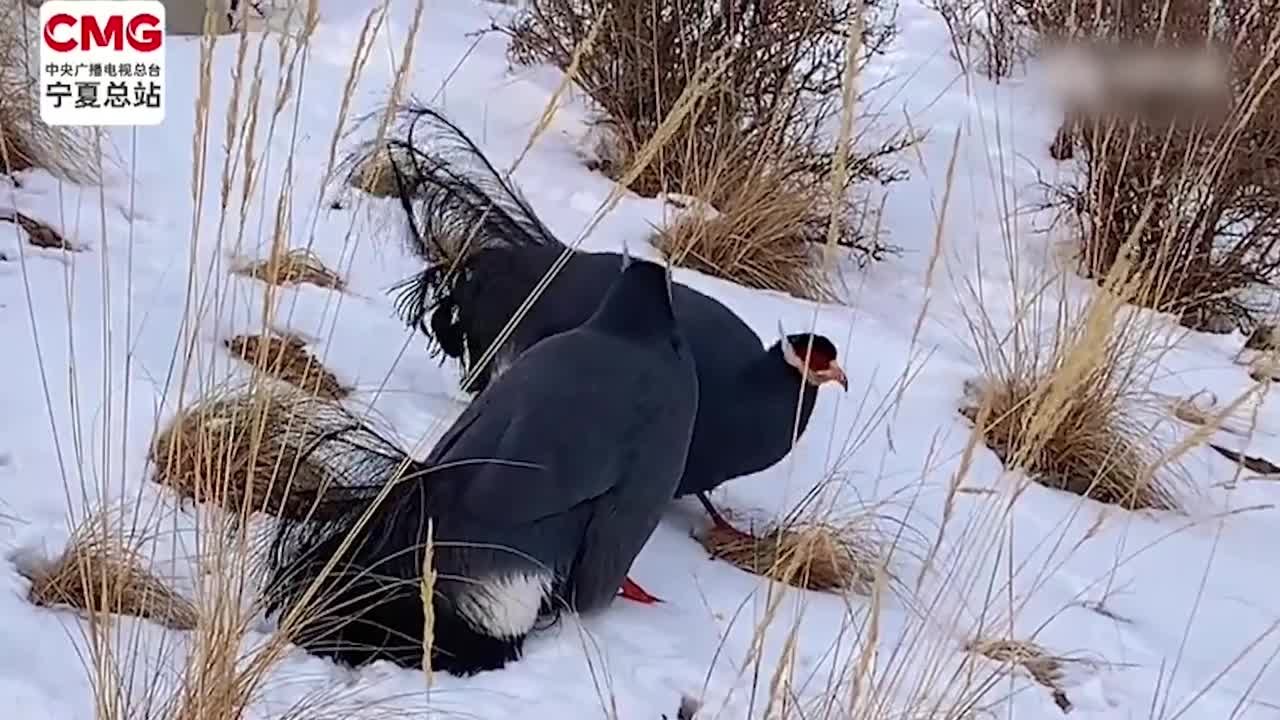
(102, 62)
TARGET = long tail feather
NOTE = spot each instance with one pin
(364, 473)
(456, 205)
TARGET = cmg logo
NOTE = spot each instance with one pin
(102, 62)
(65, 32)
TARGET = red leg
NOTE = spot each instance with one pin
(718, 520)
(631, 591)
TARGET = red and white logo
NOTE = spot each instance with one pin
(65, 32)
(102, 62)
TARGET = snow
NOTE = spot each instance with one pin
(89, 339)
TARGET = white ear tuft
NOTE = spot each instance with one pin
(788, 352)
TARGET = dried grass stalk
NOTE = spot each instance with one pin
(806, 554)
(295, 267)
(101, 573)
(285, 358)
(427, 591)
(1047, 670)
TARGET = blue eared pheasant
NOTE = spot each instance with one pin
(486, 251)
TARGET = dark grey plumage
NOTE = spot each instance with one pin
(539, 497)
(486, 251)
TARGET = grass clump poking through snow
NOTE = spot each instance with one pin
(26, 142)
(249, 452)
(779, 89)
(102, 573)
(1073, 406)
(813, 556)
(38, 234)
(1094, 449)
(824, 554)
(1044, 668)
(285, 358)
(295, 267)
(761, 235)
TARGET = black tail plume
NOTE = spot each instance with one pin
(346, 577)
(356, 585)
(456, 204)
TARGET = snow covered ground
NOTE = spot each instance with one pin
(89, 340)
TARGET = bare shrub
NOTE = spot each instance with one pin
(779, 95)
(1202, 150)
(987, 36)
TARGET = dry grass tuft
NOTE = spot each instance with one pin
(1263, 370)
(376, 174)
(249, 452)
(298, 266)
(38, 234)
(1095, 449)
(806, 554)
(1045, 669)
(285, 358)
(26, 142)
(764, 233)
(1202, 409)
(100, 573)
(1066, 396)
